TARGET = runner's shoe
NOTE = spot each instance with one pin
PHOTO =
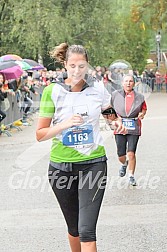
(122, 170)
(132, 181)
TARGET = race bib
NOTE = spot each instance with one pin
(128, 123)
(78, 137)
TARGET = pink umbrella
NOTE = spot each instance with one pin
(12, 72)
(8, 57)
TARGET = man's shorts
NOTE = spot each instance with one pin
(126, 143)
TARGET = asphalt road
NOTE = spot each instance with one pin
(132, 219)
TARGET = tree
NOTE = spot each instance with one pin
(6, 21)
(154, 15)
(107, 29)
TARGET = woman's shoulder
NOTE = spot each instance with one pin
(50, 87)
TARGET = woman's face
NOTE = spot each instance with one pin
(128, 83)
(77, 67)
(1, 78)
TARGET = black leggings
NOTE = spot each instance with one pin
(126, 143)
(80, 194)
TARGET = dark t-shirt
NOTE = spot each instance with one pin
(13, 85)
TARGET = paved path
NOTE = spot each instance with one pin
(131, 219)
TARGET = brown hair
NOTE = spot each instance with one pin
(3, 77)
(62, 51)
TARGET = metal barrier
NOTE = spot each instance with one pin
(16, 109)
(157, 84)
(14, 113)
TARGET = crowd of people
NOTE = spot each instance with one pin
(23, 87)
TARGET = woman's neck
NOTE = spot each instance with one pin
(75, 87)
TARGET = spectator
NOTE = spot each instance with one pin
(158, 80)
(3, 95)
(165, 80)
(26, 88)
(151, 75)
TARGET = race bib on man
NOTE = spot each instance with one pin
(78, 136)
(129, 123)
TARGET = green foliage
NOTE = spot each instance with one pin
(110, 30)
(154, 15)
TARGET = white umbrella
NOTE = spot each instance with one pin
(118, 65)
(149, 61)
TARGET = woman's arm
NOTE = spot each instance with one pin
(45, 131)
(142, 114)
(143, 111)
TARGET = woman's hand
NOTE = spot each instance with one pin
(75, 120)
(120, 128)
(117, 123)
(141, 115)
